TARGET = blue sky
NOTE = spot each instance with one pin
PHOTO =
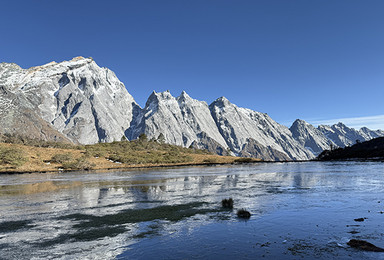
(317, 60)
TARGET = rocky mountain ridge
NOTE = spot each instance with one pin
(344, 136)
(180, 120)
(247, 131)
(84, 102)
(326, 137)
(310, 137)
(79, 101)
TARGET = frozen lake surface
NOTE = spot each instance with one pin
(299, 211)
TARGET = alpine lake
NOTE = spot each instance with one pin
(300, 210)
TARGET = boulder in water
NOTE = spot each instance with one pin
(364, 245)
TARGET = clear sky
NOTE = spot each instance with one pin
(317, 60)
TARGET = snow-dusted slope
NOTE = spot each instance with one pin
(341, 135)
(310, 137)
(240, 125)
(78, 100)
(182, 121)
(326, 137)
(18, 116)
(252, 148)
(370, 134)
(86, 103)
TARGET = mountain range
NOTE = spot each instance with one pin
(77, 101)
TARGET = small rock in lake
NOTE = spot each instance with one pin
(359, 219)
(227, 203)
(242, 213)
(265, 244)
(364, 245)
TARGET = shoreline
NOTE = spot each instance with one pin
(102, 158)
(122, 167)
(138, 167)
(133, 167)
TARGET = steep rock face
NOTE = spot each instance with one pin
(86, 103)
(182, 121)
(18, 116)
(208, 143)
(310, 137)
(252, 148)
(237, 125)
(341, 135)
(78, 100)
(197, 115)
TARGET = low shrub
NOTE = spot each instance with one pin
(81, 163)
(242, 213)
(244, 160)
(25, 140)
(149, 157)
(95, 153)
(227, 203)
(210, 160)
(61, 158)
(12, 156)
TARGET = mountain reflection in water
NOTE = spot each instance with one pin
(304, 209)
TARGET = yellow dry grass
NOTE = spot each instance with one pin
(38, 160)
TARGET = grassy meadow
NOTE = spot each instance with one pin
(20, 154)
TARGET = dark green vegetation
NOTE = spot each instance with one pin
(11, 226)
(167, 212)
(373, 149)
(90, 227)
